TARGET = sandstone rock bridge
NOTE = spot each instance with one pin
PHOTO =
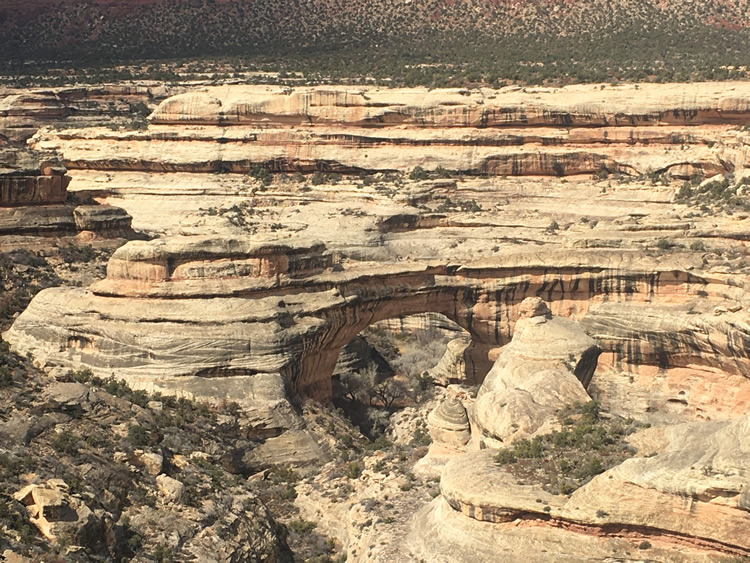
(245, 319)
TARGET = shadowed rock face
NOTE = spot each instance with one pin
(102, 218)
(31, 178)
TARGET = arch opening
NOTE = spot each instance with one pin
(395, 363)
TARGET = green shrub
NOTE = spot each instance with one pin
(81, 376)
(302, 527)
(505, 456)
(138, 436)
(590, 411)
(563, 461)
(418, 173)
(421, 437)
(379, 443)
(528, 448)
(6, 377)
(65, 442)
(163, 554)
(354, 469)
(261, 173)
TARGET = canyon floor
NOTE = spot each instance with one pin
(328, 323)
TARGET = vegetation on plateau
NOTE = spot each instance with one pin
(562, 461)
(425, 42)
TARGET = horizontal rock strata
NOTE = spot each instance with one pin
(31, 178)
(24, 112)
(280, 307)
(680, 129)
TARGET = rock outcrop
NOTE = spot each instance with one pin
(545, 367)
(452, 366)
(449, 424)
(103, 219)
(275, 309)
(684, 501)
(359, 356)
(33, 199)
(23, 112)
(59, 515)
(31, 178)
(685, 493)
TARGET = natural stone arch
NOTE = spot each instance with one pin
(316, 365)
(432, 340)
(242, 318)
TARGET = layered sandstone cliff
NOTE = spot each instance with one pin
(31, 178)
(24, 112)
(34, 200)
(281, 307)
(677, 129)
(255, 284)
(685, 491)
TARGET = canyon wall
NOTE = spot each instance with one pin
(671, 129)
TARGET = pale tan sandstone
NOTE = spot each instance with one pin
(691, 494)
(171, 489)
(580, 104)
(452, 365)
(449, 424)
(57, 513)
(102, 219)
(33, 196)
(683, 130)
(23, 111)
(296, 322)
(544, 368)
(444, 535)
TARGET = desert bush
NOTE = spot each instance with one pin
(354, 469)
(138, 436)
(418, 173)
(6, 377)
(586, 445)
(163, 554)
(65, 442)
(302, 527)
